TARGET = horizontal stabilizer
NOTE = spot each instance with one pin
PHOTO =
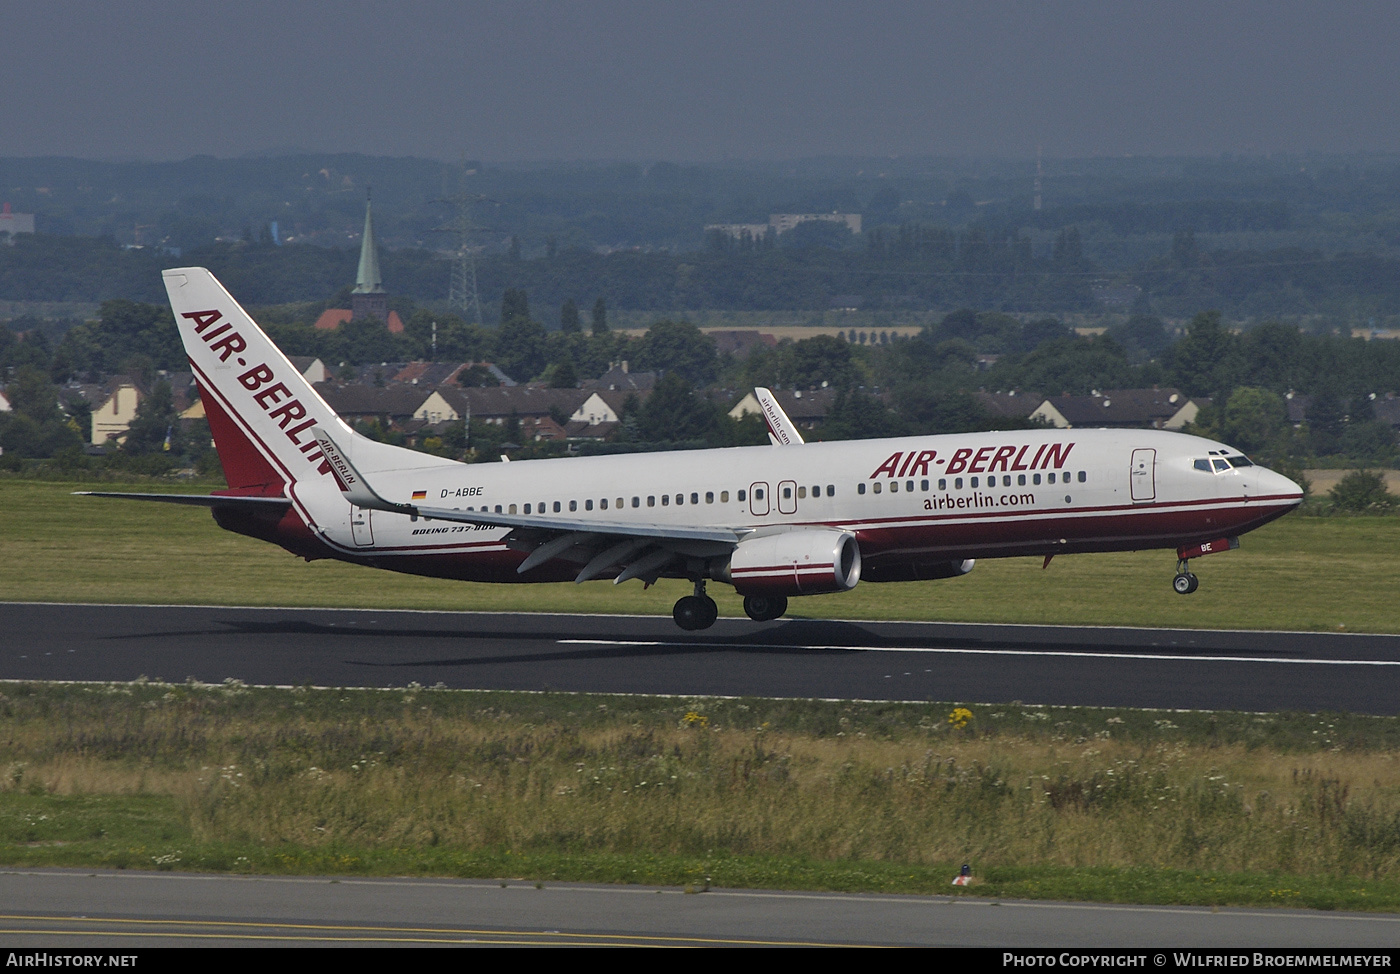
(195, 500)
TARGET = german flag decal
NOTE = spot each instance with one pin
(419, 495)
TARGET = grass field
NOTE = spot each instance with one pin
(1063, 803)
(1298, 573)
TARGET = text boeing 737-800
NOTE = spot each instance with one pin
(775, 522)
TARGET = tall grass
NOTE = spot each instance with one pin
(360, 774)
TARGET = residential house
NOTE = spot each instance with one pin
(1120, 408)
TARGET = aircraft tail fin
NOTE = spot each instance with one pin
(261, 409)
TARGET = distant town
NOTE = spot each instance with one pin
(897, 300)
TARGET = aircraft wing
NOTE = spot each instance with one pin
(196, 500)
(782, 431)
(643, 550)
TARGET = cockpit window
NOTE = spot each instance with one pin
(1240, 461)
(1203, 465)
(1220, 465)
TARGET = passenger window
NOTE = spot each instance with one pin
(573, 505)
(556, 507)
(588, 504)
(498, 508)
(860, 488)
(603, 503)
(830, 490)
(942, 483)
(1051, 479)
(724, 497)
(909, 486)
(665, 500)
(894, 486)
(877, 487)
(923, 485)
(512, 509)
(527, 508)
(742, 495)
(1083, 476)
(695, 498)
(1021, 479)
(709, 497)
(957, 483)
(801, 492)
(651, 501)
(1035, 478)
(758, 494)
(636, 502)
(974, 483)
(619, 503)
(680, 499)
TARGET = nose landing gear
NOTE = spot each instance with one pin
(696, 611)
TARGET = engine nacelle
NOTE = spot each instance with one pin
(803, 562)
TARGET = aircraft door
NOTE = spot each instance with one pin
(1143, 476)
(361, 528)
(758, 499)
(787, 497)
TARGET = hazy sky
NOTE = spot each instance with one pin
(701, 81)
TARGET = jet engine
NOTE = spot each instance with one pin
(802, 562)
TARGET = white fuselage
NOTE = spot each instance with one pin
(907, 500)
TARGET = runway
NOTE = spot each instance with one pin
(1159, 668)
(128, 911)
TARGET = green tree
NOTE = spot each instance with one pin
(521, 348)
(1206, 361)
(156, 419)
(678, 346)
(1363, 492)
(675, 412)
(1253, 418)
(600, 317)
(569, 318)
(854, 415)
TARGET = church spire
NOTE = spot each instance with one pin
(367, 280)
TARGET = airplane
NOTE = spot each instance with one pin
(775, 522)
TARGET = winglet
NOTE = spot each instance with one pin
(351, 482)
(781, 430)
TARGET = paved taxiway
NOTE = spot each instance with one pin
(72, 908)
(642, 654)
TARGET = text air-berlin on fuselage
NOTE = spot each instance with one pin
(774, 522)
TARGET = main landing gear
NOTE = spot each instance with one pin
(696, 611)
(1185, 582)
(764, 608)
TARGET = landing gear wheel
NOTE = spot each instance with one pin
(765, 608)
(695, 612)
(1185, 583)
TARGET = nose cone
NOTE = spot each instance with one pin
(1277, 485)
